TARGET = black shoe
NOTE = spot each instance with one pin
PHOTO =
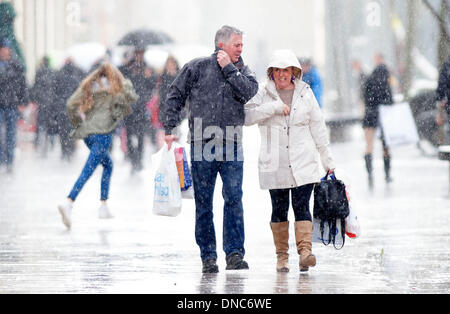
(210, 266)
(236, 261)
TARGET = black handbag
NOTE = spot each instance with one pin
(331, 204)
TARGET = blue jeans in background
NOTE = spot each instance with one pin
(99, 146)
(8, 118)
(204, 174)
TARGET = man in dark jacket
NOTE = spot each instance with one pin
(66, 82)
(138, 122)
(13, 93)
(217, 88)
(42, 95)
(443, 95)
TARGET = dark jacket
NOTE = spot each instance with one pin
(216, 96)
(165, 83)
(377, 90)
(42, 94)
(443, 89)
(144, 87)
(66, 82)
(13, 86)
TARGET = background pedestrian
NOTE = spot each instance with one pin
(95, 109)
(311, 76)
(42, 94)
(377, 91)
(443, 98)
(138, 123)
(67, 80)
(13, 93)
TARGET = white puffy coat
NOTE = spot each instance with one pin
(289, 145)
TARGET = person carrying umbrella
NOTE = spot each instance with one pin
(136, 124)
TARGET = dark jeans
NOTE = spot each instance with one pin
(99, 146)
(135, 144)
(300, 203)
(204, 174)
(8, 118)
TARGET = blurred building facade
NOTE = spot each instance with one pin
(46, 26)
(331, 32)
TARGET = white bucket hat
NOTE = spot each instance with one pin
(284, 58)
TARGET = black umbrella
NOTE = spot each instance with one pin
(143, 38)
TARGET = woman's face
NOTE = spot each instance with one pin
(5, 54)
(171, 67)
(282, 78)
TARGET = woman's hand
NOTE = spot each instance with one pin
(169, 139)
(286, 110)
(81, 114)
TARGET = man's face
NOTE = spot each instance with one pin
(233, 47)
(5, 53)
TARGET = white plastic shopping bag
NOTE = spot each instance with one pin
(167, 193)
(398, 125)
(352, 226)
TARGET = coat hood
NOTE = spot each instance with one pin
(284, 58)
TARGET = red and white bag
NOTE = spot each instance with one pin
(352, 226)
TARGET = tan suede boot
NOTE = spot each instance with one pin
(303, 237)
(280, 232)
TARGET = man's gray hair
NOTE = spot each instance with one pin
(223, 35)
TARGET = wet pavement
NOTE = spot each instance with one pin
(403, 247)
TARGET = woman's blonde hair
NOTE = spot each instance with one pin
(296, 71)
(114, 77)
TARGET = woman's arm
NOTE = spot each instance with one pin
(73, 107)
(256, 111)
(123, 101)
(319, 133)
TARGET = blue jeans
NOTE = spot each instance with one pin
(204, 174)
(99, 146)
(8, 117)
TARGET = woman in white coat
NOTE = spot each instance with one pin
(293, 136)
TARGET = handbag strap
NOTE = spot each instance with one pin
(342, 233)
(322, 228)
(332, 176)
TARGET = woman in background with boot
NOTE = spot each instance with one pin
(292, 131)
(377, 91)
